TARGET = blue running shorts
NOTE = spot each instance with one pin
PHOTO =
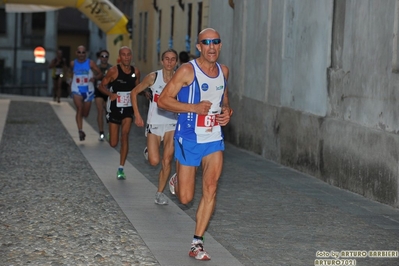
(191, 153)
(87, 96)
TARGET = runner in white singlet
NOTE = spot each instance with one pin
(160, 123)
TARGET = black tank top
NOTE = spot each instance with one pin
(104, 70)
(60, 64)
(124, 82)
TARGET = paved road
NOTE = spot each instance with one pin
(61, 205)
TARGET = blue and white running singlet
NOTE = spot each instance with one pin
(81, 84)
(201, 128)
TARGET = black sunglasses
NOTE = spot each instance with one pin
(209, 41)
(80, 52)
(104, 56)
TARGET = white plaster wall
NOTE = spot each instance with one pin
(283, 46)
(221, 19)
(370, 95)
(255, 49)
(313, 87)
(306, 56)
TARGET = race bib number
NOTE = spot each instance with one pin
(206, 124)
(82, 80)
(123, 99)
(156, 97)
(58, 71)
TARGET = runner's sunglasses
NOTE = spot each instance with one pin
(209, 41)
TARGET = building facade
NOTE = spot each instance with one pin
(23, 30)
(160, 25)
(314, 85)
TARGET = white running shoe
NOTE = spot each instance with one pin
(145, 153)
(172, 183)
(160, 198)
(197, 251)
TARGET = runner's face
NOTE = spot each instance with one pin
(125, 56)
(81, 54)
(169, 61)
(104, 58)
(210, 52)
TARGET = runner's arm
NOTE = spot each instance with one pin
(147, 81)
(97, 71)
(168, 101)
(111, 75)
(137, 72)
(224, 117)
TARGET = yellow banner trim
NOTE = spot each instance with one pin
(79, 3)
(120, 27)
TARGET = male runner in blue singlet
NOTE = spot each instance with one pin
(198, 93)
(84, 72)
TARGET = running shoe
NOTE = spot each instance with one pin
(160, 198)
(101, 137)
(82, 135)
(197, 251)
(145, 153)
(120, 174)
(172, 183)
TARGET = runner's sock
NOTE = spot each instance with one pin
(196, 238)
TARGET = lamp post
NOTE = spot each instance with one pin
(15, 48)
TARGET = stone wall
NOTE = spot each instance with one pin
(314, 85)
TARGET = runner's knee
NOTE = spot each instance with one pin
(185, 198)
(209, 189)
(166, 162)
(154, 161)
(113, 143)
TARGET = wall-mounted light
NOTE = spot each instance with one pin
(154, 3)
(181, 4)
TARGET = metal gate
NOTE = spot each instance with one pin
(30, 80)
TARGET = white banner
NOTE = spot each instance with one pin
(102, 12)
(19, 8)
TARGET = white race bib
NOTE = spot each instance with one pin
(123, 99)
(82, 80)
(207, 124)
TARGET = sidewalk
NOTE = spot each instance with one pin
(266, 214)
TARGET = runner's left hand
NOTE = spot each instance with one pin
(224, 118)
